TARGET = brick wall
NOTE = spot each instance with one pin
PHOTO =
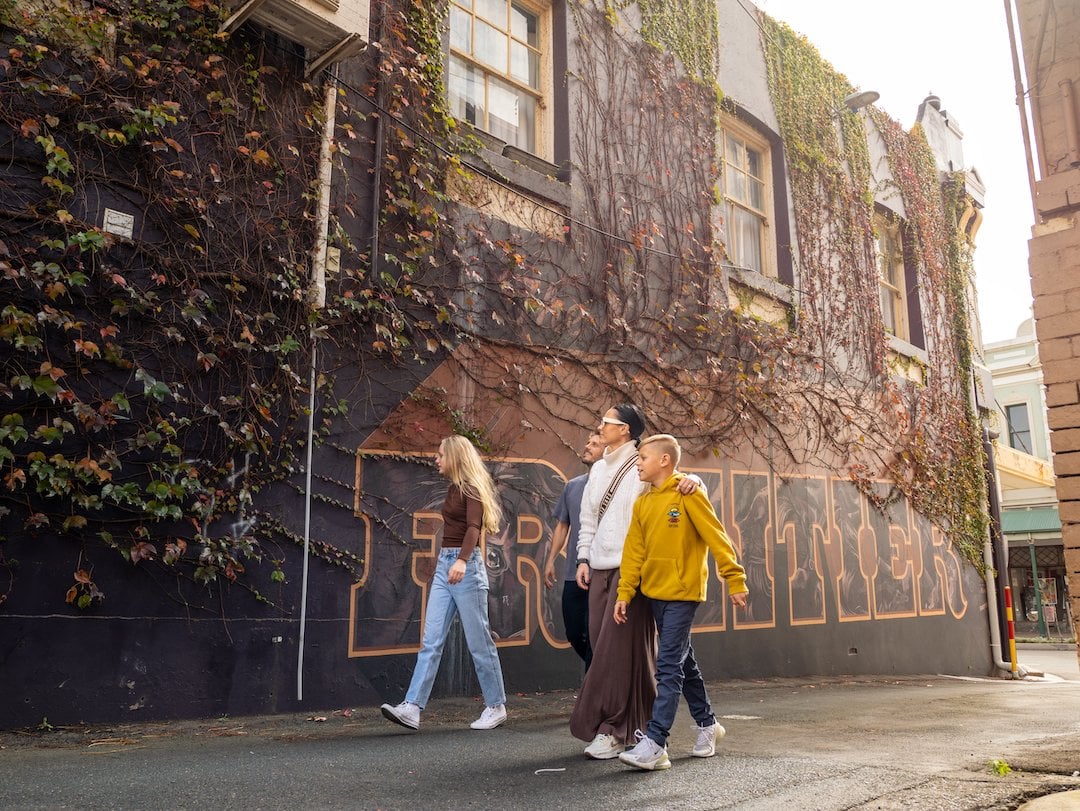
(1051, 47)
(1055, 283)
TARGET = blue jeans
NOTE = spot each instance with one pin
(469, 598)
(677, 672)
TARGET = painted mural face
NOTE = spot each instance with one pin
(402, 500)
(815, 551)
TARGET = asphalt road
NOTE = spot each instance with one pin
(837, 743)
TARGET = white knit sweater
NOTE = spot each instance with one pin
(602, 543)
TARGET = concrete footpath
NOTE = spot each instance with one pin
(926, 742)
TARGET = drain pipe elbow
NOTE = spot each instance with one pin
(992, 613)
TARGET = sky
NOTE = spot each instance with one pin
(957, 50)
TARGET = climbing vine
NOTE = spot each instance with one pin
(151, 378)
(155, 384)
(932, 451)
(688, 30)
(943, 450)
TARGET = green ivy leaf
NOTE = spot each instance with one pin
(44, 384)
(49, 434)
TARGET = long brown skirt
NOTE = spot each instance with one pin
(620, 685)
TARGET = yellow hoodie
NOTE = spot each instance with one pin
(665, 552)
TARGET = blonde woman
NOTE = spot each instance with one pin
(460, 587)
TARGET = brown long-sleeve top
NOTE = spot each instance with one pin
(463, 517)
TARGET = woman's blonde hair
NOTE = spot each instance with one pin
(463, 466)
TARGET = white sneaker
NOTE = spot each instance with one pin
(490, 718)
(707, 736)
(647, 755)
(405, 713)
(603, 747)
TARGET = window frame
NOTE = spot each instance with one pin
(543, 94)
(1013, 434)
(886, 223)
(749, 138)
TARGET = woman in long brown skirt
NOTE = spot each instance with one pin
(615, 700)
(617, 695)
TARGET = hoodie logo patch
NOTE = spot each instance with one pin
(673, 516)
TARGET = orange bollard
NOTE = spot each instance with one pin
(1012, 629)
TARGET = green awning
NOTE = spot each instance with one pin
(1035, 519)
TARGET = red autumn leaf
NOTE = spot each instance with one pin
(88, 348)
(54, 372)
(37, 520)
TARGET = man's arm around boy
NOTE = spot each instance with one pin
(665, 557)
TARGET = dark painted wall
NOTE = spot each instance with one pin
(836, 588)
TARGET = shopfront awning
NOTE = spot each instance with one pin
(1031, 520)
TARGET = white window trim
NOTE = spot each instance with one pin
(730, 124)
(899, 294)
(544, 136)
(1033, 451)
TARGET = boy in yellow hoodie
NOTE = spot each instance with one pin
(665, 559)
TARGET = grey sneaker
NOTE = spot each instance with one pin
(647, 755)
(490, 718)
(603, 747)
(707, 736)
(405, 713)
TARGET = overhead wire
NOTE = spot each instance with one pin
(328, 76)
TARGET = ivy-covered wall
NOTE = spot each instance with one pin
(155, 505)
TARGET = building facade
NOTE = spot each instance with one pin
(1047, 48)
(1029, 510)
(249, 288)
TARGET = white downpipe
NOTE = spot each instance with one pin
(318, 300)
(992, 607)
(992, 613)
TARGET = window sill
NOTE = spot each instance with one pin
(759, 284)
(520, 169)
(902, 347)
(907, 360)
(511, 185)
(750, 293)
